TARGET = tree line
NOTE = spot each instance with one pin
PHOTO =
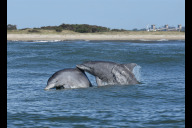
(11, 27)
(81, 28)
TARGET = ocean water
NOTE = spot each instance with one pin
(158, 102)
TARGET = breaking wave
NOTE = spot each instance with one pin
(137, 72)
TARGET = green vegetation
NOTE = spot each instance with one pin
(66, 32)
(33, 31)
(85, 28)
(81, 28)
(132, 32)
(58, 29)
(11, 27)
(40, 31)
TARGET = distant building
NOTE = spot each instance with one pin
(183, 29)
(179, 27)
(166, 27)
(153, 27)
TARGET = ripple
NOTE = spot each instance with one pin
(159, 101)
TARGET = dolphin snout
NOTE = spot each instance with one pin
(46, 88)
(49, 86)
(78, 66)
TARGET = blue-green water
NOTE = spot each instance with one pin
(158, 102)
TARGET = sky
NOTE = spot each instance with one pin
(114, 14)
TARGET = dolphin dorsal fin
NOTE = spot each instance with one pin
(130, 66)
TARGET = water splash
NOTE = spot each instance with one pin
(137, 72)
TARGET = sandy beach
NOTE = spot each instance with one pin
(31, 37)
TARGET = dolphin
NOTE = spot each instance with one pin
(110, 73)
(68, 78)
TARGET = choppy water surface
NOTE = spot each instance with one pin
(159, 101)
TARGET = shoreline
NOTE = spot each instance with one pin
(90, 37)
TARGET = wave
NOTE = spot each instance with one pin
(137, 72)
(47, 40)
(163, 40)
(153, 40)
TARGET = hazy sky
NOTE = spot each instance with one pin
(126, 14)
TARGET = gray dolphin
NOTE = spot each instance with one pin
(68, 78)
(110, 73)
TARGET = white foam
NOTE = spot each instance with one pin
(42, 41)
(163, 40)
(55, 40)
(47, 41)
(137, 72)
(154, 40)
(144, 40)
